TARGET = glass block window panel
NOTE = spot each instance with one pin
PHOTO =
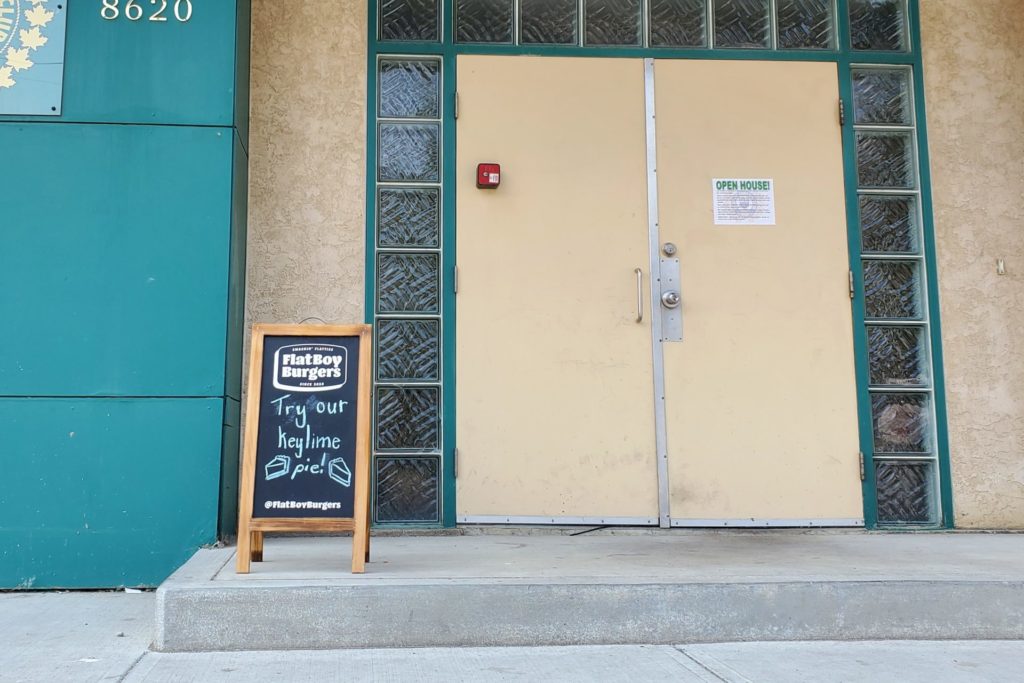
(898, 356)
(483, 21)
(408, 350)
(892, 290)
(408, 418)
(678, 23)
(407, 490)
(410, 88)
(805, 24)
(885, 160)
(902, 423)
(742, 23)
(551, 22)
(408, 19)
(882, 96)
(612, 22)
(905, 492)
(409, 151)
(408, 283)
(408, 217)
(888, 224)
(878, 24)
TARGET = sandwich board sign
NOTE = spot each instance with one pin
(306, 451)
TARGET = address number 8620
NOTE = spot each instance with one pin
(133, 10)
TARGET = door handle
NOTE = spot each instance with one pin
(639, 295)
(671, 300)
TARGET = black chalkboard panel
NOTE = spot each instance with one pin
(306, 454)
(306, 442)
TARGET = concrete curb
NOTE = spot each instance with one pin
(193, 616)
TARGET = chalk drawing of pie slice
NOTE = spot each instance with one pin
(339, 472)
(278, 467)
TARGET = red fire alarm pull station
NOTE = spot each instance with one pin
(488, 176)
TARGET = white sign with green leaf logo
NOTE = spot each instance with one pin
(32, 56)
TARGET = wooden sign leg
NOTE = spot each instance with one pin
(359, 548)
(361, 507)
(257, 546)
(361, 520)
(244, 550)
(367, 533)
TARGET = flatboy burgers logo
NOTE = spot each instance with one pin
(310, 367)
(22, 30)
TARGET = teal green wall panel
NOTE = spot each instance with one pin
(236, 272)
(150, 71)
(228, 525)
(235, 337)
(242, 64)
(122, 271)
(105, 492)
(115, 261)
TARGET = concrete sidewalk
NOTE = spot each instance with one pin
(924, 662)
(72, 637)
(515, 587)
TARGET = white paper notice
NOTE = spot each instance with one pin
(744, 201)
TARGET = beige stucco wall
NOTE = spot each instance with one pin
(307, 161)
(307, 198)
(974, 78)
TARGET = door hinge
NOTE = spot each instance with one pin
(455, 108)
(852, 286)
(842, 113)
(862, 475)
(455, 279)
(455, 463)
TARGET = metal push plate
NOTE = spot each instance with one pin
(671, 318)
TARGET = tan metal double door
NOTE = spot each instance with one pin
(572, 406)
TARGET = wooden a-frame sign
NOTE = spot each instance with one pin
(306, 452)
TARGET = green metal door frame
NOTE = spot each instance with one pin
(846, 59)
